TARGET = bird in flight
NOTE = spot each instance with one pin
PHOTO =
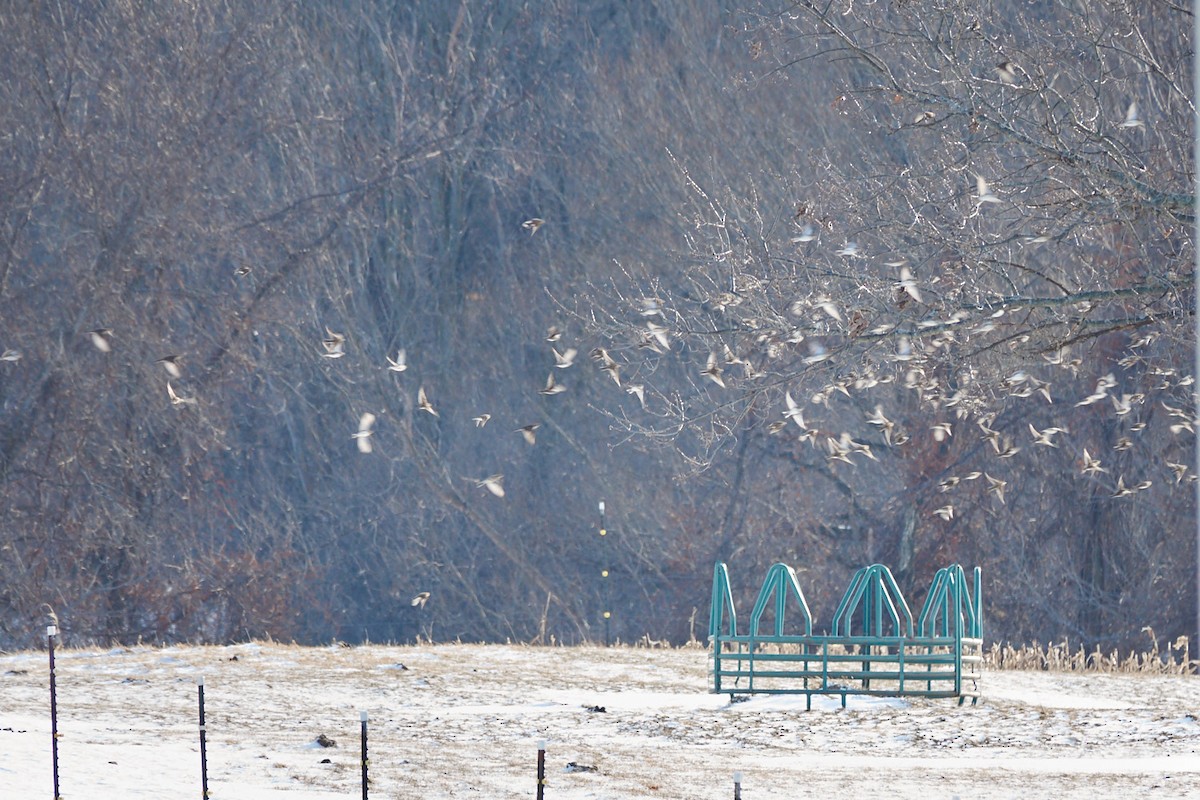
(176, 399)
(638, 390)
(420, 600)
(807, 234)
(660, 334)
(101, 339)
(11, 355)
(551, 387)
(1046, 437)
(908, 284)
(608, 364)
(1091, 466)
(363, 436)
(1007, 71)
(983, 192)
(712, 370)
(481, 420)
(793, 412)
(533, 225)
(529, 432)
(423, 402)
(400, 363)
(564, 359)
(171, 365)
(1132, 120)
(493, 483)
(334, 344)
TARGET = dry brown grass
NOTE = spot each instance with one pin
(1060, 657)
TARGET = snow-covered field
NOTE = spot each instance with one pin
(466, 720)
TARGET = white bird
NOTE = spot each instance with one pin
(908, 284)
(334, 344)
(1122, 490)
(1091, 466)
(983, 192)
(825, 303)
(1132, 120)
(533, 225)
(607, 364)
(660, 333)
(565, 359)
(849, 249)
(995, 486)
(794, 412)
(492, 483)
(945, 512)
(1007, 71)
(400, 363)
(423, 402)
(878, 419)
(176, 399)
(712, 370)
(420, 600)
(807, 234)
(639, 391)
(363, 435)
(171, 365)
(551, 387)
(529, 431)
(554, 334)
(11, 355)
(651, 307)
(481, 420)
(1045, 437)
(100, 339)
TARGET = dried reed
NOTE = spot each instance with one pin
(1060, 657)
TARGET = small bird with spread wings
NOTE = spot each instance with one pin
(363, 435)
(552, 387)
(400, 362)
(101, 339)
(712, 370)
(1132, 120)
(423, 402)
(493, 483)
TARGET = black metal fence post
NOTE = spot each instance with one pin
(51, 632)
(203, 741)
(362, 715)
(541, 771)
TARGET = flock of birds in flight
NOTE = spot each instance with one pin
(657, 337)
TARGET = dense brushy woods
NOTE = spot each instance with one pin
(928, 232)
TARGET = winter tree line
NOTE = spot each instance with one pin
(339, 320)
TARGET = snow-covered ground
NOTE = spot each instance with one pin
(466, 720)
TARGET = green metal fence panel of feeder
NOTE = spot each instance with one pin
(874, 647)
